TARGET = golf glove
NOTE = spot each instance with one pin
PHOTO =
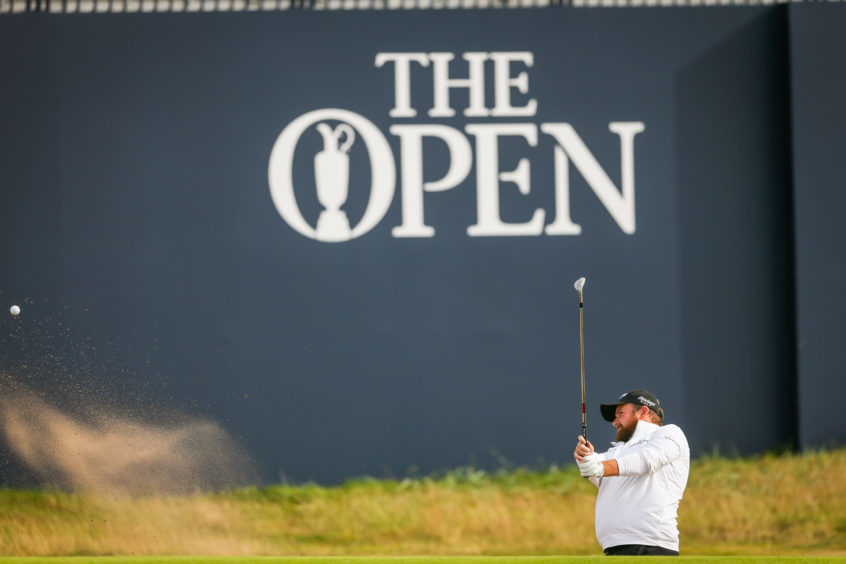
(591, 467)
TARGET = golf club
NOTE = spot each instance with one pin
(580, 283)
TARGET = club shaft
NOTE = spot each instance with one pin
(582, 355)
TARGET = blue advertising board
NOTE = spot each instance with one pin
(352, 239)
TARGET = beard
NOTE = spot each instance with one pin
(625, 433)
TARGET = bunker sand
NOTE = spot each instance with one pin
(108, 453)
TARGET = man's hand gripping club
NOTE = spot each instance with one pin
(586, 458)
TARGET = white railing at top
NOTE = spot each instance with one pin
(146, 6)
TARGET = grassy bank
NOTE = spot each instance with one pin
(420, 560)
(785, 505)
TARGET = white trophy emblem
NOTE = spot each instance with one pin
(331, 174)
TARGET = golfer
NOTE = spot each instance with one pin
(641, 478)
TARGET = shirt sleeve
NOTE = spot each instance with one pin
(664, 447)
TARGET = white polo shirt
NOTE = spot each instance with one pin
(640, 506)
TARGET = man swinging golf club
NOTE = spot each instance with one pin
(641, 479)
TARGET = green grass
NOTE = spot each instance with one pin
(774, 505)
(425, 560)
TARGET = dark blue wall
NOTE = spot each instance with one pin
(818, 55)
(734, 190)
(139, 227)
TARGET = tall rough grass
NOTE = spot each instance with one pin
(772, 503)
(788, 504)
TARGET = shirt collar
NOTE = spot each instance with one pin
(642, 431)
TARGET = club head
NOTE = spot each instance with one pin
(580, 283)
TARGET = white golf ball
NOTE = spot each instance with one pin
(14, 310)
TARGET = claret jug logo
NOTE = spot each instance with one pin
(331, 173)
(341, 130)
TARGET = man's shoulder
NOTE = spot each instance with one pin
(670, 431)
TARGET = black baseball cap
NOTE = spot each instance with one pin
(638, 397)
